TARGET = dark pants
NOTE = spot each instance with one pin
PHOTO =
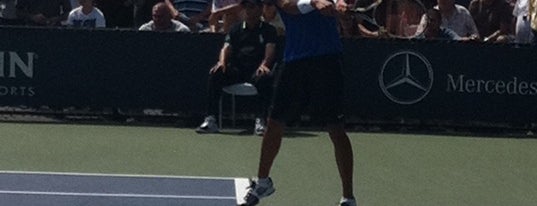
(234, 75)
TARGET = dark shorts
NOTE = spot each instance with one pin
(315, 82)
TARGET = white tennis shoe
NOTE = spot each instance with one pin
(347, 202)
(259, 128)
(208, 126)
(258, 189)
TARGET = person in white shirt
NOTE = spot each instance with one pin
(162, 20)
(523, 34)
(454, 17)
(86, 16)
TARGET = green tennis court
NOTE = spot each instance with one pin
(391, 169)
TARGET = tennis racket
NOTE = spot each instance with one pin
(393, 18)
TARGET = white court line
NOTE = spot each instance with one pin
(115, 195)
(113, 175)
(241, 185)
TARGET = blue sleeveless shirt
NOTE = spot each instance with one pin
(310, 35)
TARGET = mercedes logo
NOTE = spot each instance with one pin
(406, 77)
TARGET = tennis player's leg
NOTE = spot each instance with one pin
(283, 106)
(327, 100)
(280, 110)
(344, 158)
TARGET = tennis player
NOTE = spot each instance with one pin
(312, 66)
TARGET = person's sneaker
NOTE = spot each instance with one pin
(259, 128)
(208, 126)
(258, 189)
(347, 202)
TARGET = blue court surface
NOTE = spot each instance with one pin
(74, 189)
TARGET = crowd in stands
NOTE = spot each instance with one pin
(499, 21)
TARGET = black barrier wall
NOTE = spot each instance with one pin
(105, 68)
(386, 80)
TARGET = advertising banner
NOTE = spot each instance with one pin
(386, 80)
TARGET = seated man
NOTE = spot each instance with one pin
(523, 34)
(454, 17)
(162, 20)
(142, 11)
(247, 56)
(490, 16)
(433, 30)
(86, 16)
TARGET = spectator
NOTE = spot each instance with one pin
(8, 14)
(118, 13)
(43, 13)
(86, 16)
(392, 18)
(489, 14)
(523, 33)
(351, 25)
(454, 17)
(142, 11)
(247, 56)
(226, 11)
(194, 13)
(504, 33)
(433, 30)
(403, 17)
(162, 20)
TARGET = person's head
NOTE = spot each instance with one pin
(162, 16)
(253, 9)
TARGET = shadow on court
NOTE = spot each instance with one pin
(249, 132)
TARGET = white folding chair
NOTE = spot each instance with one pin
(240, 89)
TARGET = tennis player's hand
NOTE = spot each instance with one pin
(262, 71)
(218, 66)
(326, 7)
